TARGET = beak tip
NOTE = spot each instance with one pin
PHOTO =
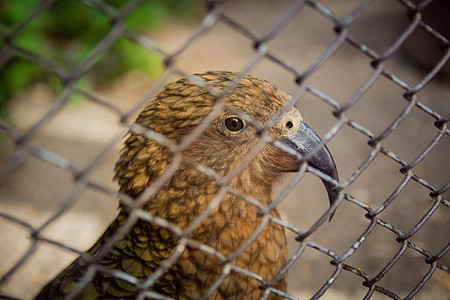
(332, 197)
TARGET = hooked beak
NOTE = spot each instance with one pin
(304, 141)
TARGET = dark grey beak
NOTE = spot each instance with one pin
(304, 141)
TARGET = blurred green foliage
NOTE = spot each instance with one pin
(69, 30)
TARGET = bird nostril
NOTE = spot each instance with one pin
(289, 124)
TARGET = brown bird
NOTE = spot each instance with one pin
(221, 148)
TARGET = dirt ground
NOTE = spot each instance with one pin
(81, 130)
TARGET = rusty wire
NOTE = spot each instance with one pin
(25, 147)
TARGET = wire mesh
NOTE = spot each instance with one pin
(350, 69)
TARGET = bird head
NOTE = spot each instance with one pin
(250, 105)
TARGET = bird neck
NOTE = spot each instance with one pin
(188, 193)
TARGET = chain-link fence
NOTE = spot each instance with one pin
(371, 77)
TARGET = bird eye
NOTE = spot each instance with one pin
(289, 124)
(234, 124)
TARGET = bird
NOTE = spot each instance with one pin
(249, 105)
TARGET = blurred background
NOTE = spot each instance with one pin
(66, 33)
